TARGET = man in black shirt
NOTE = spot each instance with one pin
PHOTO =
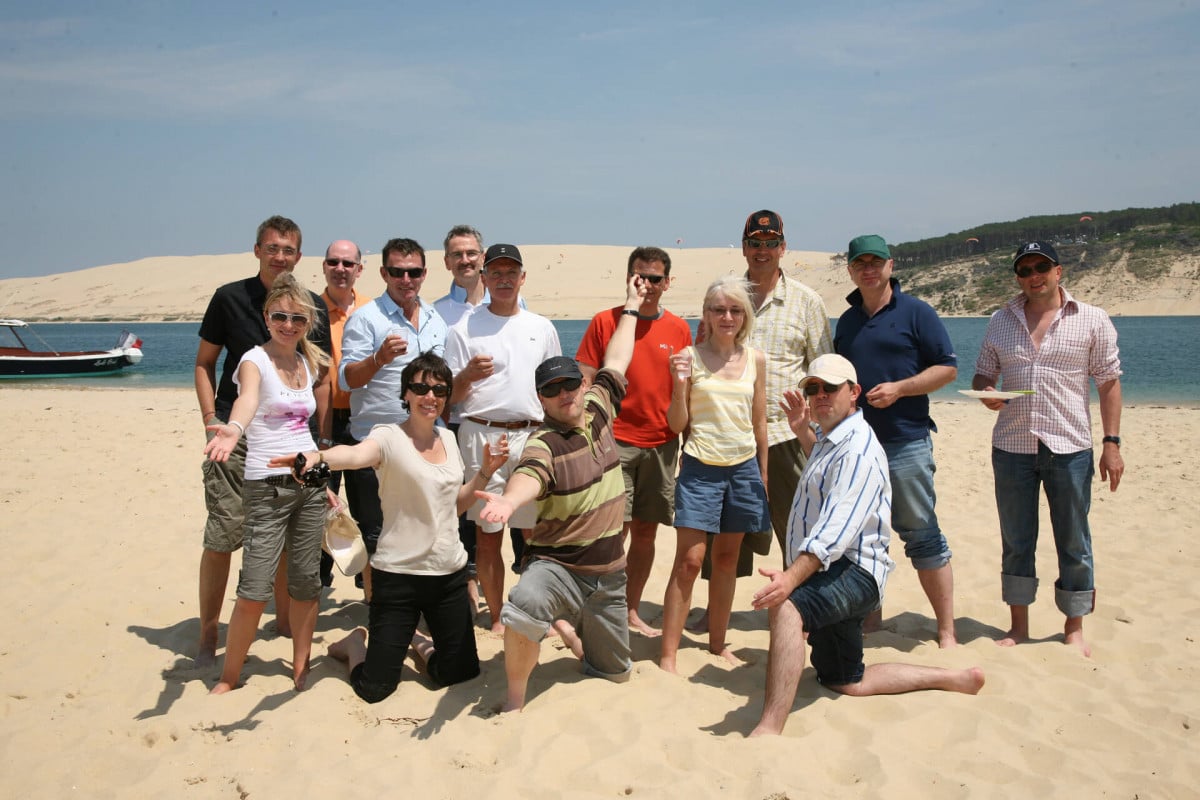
(234, 322)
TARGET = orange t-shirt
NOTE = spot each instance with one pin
(643, 418)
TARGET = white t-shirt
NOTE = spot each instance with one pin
(517, 344)
(280, 424)
(419, 502)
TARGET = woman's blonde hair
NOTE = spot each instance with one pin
(286, 287)
(737, 291)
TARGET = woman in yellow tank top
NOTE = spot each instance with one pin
(719, 397)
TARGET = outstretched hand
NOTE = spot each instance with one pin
(225, 438)
(496, 507)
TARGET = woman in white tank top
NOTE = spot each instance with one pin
(719, 396)
(279, 383)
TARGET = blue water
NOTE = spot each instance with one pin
(1158, 354)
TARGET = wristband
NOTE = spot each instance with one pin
(630, 312)
(241, 428)
(1114, 439)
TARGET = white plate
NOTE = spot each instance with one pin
(994, 394)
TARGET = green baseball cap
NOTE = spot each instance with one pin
(871, 244)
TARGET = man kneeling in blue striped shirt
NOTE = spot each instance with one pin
(837, 557)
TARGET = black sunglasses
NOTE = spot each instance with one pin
(282, 317)
(1042, 267)
(400, 272)
(345, 262)
(811, 389)
(553, 389)
(770, 244)
(653, 278)
(422, 389)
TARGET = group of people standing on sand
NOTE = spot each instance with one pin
(783, 427)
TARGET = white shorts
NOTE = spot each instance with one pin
(471, 438)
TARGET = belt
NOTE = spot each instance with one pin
(280, 480)
(509, 426)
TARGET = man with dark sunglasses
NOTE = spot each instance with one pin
(574, 579)
(493, 352)
(649, 449)
(379, 339)
(342, 267)
(902, 352)
(836, 561)
(234, 322)
(1046, 342)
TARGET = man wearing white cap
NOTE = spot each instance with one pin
(837, 559)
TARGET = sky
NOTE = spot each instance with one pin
(138, 129)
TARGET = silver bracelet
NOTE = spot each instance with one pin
(241, 428)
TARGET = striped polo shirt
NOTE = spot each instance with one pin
(581, 506)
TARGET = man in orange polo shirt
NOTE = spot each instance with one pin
(342, 266)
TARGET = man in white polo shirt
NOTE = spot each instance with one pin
(493, 353)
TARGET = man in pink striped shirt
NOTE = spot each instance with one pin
(1047, 345)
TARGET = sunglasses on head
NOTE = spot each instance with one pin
(553, 389)
(282, 317)
(345, 262)
(770, 244)
(1042, 267)
(811, 389)
(422, 389)
(401, 272)
(656, 279)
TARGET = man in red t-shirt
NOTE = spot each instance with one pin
(649, 450)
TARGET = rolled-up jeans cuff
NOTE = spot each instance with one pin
(620, 677)
(1017, 590)
(1075, 604)
(532, 629)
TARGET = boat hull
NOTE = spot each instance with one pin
(63, 365)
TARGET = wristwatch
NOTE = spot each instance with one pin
(1114, 439)
(324, 442)
(629, 312)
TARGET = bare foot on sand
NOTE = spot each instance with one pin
(967, 681)
(222, 688)
(947, 641)
(728, 655)
(355, 641)
(569, 637)
(1073, 635)
(638, 625)
(1013, 638)
(300, 677)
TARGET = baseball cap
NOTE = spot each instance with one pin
(498, 251)
(830, 368)
(872, 244)
(763, 222)
(556, 368)
(1036, 248)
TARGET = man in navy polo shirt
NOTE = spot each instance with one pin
(902, 352)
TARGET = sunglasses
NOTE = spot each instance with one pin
(401, 272)
(770, 244)
(655, 279)
(422, 389)
(345, 262)
(553, 389)
(1042, 267)
(282, 317)
(812, 389)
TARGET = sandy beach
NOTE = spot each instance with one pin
(103, 512)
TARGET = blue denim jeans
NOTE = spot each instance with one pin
(1067, 481)
(911, 468)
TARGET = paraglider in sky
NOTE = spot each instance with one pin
(679, 241)
(1085, 218)
(972, 239)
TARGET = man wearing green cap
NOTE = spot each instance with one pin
(902, 352)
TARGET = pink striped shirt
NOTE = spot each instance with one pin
(1081, 343)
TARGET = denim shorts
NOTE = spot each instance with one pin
(833, 605)
(911, 468)
(721, 499)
